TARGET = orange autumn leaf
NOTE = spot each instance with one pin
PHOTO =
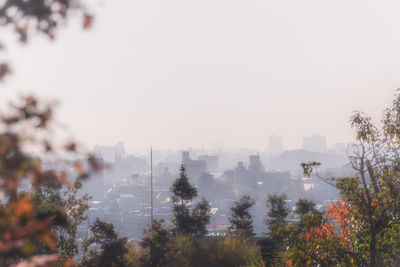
(87, 21)
(23, 206)
(79, 167)
(68, 262)
(48, 239)
(7, 236)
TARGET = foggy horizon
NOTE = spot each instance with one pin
(177, 75)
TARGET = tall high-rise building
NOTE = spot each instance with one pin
(275, 145)
(315, 143)
(255, 164)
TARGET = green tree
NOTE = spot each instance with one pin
(156, 244)
(276, 215)
(304, 207)
(296, 240)
(272, 244)
(188, 219)
(65, 210)
(182, 190)
(76, 209)
(110, 249)
(308, 214)
(241, 219)
(373, 194)
(27, 233)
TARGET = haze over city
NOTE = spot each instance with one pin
(218, 133)
(179, 74)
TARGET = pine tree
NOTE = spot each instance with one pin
(241, 219)
(188, 220)
(272, 244)
(277, 214)
(182, 190)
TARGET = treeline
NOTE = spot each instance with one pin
(183, 244)
(39, 227)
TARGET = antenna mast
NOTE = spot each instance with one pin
(151, 185)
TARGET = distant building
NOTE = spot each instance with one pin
(315, 143)
(185, 157)
(194, 168)
(111, 153)
(229, 177)
(255, 164)
(275, 145)
(212, 162)
(119, 151)
(241, 176)
(240, 168)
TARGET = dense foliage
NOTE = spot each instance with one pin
(104, 247)
(241, 219)
(36, 227)
(188, 219)
(161, 247)
(363, 228)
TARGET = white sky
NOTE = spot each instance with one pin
(192, 73)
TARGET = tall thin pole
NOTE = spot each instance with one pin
(151, 183)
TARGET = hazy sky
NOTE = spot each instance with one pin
(185, 73)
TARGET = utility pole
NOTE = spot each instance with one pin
(151, 185)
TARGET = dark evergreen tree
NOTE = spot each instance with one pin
(272, 244)
(200, 217)
(241, 219)
(308, 214)
(277, 214)
(112, 247)
(304, 206)
(157, 245)
(309, 217)
(182, 190)
(188, 220)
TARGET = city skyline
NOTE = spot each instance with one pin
(275, 147)
(180, 74)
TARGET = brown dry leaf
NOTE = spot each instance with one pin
(94, 163)
(4, 70)
(71, 147)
